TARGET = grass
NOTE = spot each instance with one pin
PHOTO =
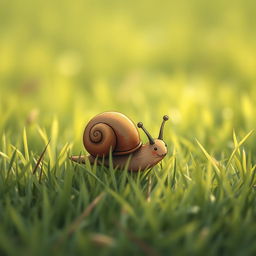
(191, 204)
(63, 63)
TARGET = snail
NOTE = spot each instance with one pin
(116, 133)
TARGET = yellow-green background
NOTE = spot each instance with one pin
(62, 62)
(69, 60)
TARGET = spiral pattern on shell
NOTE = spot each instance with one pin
(96, 134)
(100, 140)
(111, 131)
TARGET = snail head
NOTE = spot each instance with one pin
(157, 146)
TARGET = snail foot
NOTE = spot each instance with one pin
(82, 159)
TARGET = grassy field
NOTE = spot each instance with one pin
(63, 62)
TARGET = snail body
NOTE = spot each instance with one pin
(115, 133)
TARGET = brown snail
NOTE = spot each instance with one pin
(116, 133)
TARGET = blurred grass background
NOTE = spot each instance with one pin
(193, 60)
(62, 62)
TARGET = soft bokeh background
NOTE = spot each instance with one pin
(61, 62)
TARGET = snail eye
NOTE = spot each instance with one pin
(155, 148)
(165, 145)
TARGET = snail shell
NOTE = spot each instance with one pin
(111, 131)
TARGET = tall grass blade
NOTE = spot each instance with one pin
(41, 157)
